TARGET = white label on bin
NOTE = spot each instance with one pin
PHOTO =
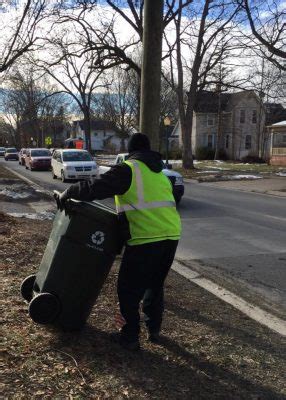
(97, 238)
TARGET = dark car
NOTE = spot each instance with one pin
(2, 151)
(22, 156)
(38, 159)
(11, 154)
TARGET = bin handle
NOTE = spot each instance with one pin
(56, 194)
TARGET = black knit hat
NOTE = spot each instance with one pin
(138, 142)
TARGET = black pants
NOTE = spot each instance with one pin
(142, 274)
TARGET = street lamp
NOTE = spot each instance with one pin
(167, 122)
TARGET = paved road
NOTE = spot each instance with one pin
(237, 238)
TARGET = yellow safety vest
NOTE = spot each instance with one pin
(149, 206)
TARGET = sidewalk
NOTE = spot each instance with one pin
(274, 186)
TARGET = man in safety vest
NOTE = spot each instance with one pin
(151, 227)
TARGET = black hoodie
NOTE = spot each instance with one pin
(116, 181)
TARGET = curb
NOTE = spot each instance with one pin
(272, 322)
(31, 183)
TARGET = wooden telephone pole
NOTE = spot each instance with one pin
(151, 71)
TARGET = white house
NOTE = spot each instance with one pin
(103, 136)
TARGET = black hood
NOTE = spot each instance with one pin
(152, 159)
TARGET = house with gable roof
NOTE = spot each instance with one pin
(242, 120)
(104, 136)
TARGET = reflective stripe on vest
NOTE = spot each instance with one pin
(142, 204)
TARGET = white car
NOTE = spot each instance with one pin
(73, 164)
(175, 178)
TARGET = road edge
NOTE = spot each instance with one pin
(31, 183)
(272, 322)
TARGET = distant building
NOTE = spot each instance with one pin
(274, 112)
(242, 119)
(278, 143)
(104, 136)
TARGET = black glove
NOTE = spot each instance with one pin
(61, 199)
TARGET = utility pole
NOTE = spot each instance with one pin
(151, 71)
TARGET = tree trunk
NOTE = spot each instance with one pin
(187, 122)
(218, 136)
(87, 129)
(151, 71)
(187, 153)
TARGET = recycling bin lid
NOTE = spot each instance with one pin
(89, 208)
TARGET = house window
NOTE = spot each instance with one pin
(210, 120)
(284, 138)
(210, 141)
(242, 116)
(227, 141)
(254, 116)
(247, 142)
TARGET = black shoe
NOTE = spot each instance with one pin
(125, 343)
(154, 337)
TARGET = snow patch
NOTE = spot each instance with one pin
(39, 216)
(15, 195)
(205, 172)
(219, 168)
(240, 177)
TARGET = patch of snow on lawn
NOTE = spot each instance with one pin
(282, 173)
(205, 172)
(15, 195)
(239, 177)
(40, 216)
(220, 168)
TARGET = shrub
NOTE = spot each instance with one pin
(175, 154)
(205, 153)
(222, 155)
(252, 159)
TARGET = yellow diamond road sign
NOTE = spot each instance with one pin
(48, 140)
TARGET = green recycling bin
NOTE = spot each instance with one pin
(79, 255)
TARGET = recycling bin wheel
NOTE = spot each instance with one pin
(44, 308)
(27, 287)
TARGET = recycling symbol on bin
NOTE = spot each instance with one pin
(97, 237)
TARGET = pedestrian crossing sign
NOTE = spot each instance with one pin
(48, 140)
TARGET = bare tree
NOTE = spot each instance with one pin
(104, 39)
(205, 28)
(267, 23)
(20, 32)
(119, 102)
(29, 104)
(75, 75)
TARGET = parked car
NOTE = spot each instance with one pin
(175, 177)
(22, 156)
(73, 164)
(2, 151)
(11, 154)
(38, 159)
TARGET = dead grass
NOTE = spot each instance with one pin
(6, 174)
(210, 350)
(207, 168)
